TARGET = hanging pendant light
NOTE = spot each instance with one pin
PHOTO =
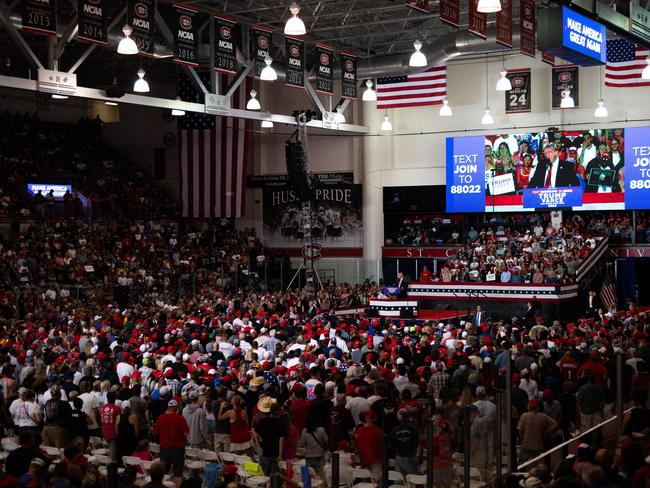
(418, 59)
(386, 126)
(445, 110)
(177, 112)
(488, 6)
(369, 95)
(268, 73)
(253, 103)
(601, 111)
(267, 124)
(127, 46)
(339, 118)
(141, 85)
(504, 82)
(487, 118)
(294, 26)
(567, 101)
(645, 74)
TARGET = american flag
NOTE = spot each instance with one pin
(214, 154)
(625, 63)
(418, 90)
(608, 292)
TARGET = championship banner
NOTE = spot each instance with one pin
(295, 62)
(518, 99)
(226, 35)
(324, 74)
(261, 42)
(553, 197)
(528, 27)
(39, 16)
(348, 76)
(185, 37)
(421, 5)
(141, 14)
(477, 20)
(548, 58)
(565, 81)
(504, 23)
(450, 12)
(336, 214)
(92, 21)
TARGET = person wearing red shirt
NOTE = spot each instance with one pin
(172, 430)
(299, 408)
(110, 415)
(367, 440)
(569, 367)
(597, 368)
(425, 275)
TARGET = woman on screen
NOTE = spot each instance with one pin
(524, 172)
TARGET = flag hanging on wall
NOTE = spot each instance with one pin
(625, 63)
(214, 154)
(608, 292)
(418, 90)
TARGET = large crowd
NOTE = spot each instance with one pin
(137, 344)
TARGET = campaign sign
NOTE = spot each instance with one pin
(552, 197)
(637, 168)
(44, 188)
(584, 35)
(466, 174)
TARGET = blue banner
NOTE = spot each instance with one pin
(637, 168)
(584, 35)
(553, 197)
(466, 174)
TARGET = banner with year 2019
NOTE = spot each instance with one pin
(261, 40)
(295, 62)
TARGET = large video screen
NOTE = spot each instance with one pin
(599, 169)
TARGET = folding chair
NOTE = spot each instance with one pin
(359, 474)
(413, 480)
(396, 476)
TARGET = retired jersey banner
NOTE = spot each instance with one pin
(295, 62)
(504, 23)
(324, 72)
(477, 20)
(39, 16)
(141, 14)
(449, 11)
(185, 36)
(336, 213)
(528, 27)
(226, 38)
(518, 99)
(92, 21)
(261, 42)
(565, 80)
(348, 75)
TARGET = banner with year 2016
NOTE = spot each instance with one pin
(466, 174)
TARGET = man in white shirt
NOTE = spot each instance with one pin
(90, 407)
(587, 151)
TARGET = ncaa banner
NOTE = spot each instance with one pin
(141, 14)
(261, 42)
(92, 21)
(553, 197)
(226, 35)
(39, 16)
(185, 37)
(324, 75)
(449, 11)
(348, 76)
(565, 81)
(518, 99)
(295, 62)
(528, 27)
(504, 23)
(477, 20)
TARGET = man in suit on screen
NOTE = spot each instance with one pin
(553, 172)
(402, 285)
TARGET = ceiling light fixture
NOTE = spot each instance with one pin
(253, 103)
(56, 96)
(177, 112)
(386, 126)
(127, 46)
(418, 59)
(112, 104)
(504, 83)
(567, 101)
(369, 95)
(445, 110)
(295, 26)
(339, 118)
(268, 73)
(488, 6)
(267, 124)
(487, 118)
(141, 85)
(601, 111)
(645, 74)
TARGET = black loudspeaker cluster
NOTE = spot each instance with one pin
(297, 170)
